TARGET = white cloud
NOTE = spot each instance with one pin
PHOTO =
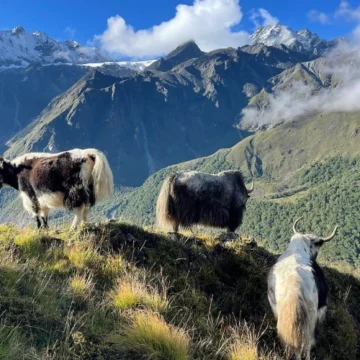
(344, 11)
(265, 17)
(356, 35)
(318, 16)
(208, 22)
(301, 99)
(347, 12)
(70, 31)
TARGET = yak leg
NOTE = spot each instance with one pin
(298, 354)
(86, 213)
(45, 217)
(31, 205)
(79, 216)
(45, 222)
(38, 222)
(176, 227)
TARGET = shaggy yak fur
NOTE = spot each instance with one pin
(297, 292)
(74, 179)
(189, 198)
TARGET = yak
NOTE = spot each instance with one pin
(75, 180)
(188, 198)
(297, 292)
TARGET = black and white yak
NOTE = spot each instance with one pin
(297, 292)
(75, 180)
(189, 198)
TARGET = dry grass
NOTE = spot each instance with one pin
(81, 285)
(82, 256)
(150, 336)
(133, 291)
(243, 344)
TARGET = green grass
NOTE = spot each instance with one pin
(144, 295)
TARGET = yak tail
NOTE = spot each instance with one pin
(294, 323)
(102, 175)
(165, 211)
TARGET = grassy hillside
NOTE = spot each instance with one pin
(120, 292)
(309, 167)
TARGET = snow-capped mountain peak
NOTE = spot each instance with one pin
(19, 48)
(276, 34)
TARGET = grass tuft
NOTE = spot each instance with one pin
(132, 292)
(243, 350)
(83, 256)
(29, 243)
(81, 286)
(151, 337)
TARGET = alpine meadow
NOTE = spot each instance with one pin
(182, 182)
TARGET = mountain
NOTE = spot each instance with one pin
(154, 118)
(280, 56)
(182, 53)
(301, 41)
(21, 48)
(24, 93)
(187, 106)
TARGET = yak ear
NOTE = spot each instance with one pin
(1, 162)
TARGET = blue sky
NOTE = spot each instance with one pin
(81, 20)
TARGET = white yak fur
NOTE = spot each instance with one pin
(101, 173)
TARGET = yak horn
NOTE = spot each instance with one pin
(331, 236)
(251, 189)
(294, 226)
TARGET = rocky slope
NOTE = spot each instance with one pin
(25, 92)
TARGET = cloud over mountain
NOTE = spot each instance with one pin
(210, 23)
(335, 87)
(265, 17)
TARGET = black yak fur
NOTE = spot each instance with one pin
(74, 180)
(189, 198)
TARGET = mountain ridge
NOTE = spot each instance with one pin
(302, 40)
(21, 48)
(195, 100)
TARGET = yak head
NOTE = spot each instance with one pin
(239, 179)
(310, 243)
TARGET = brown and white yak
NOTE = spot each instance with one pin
(297, 292)
(75, 180)
(192, 197)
